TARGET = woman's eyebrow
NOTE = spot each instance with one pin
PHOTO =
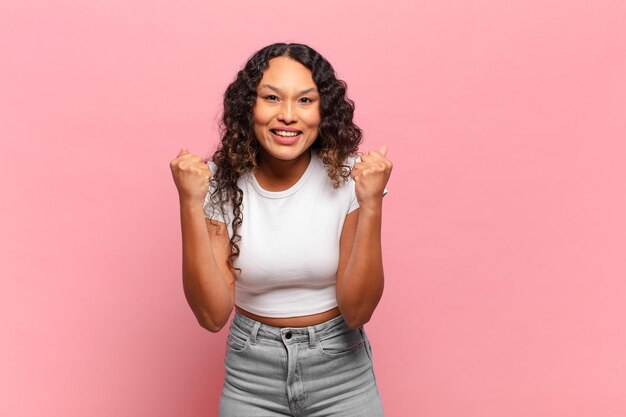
(271, 87)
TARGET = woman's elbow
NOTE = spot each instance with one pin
(357, 320)
(212, 328)
(211, 319)
(357, 313)
(212, 322)
(210, 325)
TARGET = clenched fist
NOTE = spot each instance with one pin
(370, 176)
(191, 175)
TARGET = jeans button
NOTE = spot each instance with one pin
(288, 335)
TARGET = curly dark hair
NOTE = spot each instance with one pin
(238, 151)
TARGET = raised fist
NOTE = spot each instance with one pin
(370, 176)
(191, 175)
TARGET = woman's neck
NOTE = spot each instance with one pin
(274, 174)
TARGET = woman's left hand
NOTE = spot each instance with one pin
(371, 176)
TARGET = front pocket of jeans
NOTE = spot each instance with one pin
(237, 340)
(342, 343)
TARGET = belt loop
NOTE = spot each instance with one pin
(255, 330)
(311, 337)
(364, 335)
(366, 340)
(362, 331)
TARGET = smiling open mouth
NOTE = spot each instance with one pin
(285, 137)
(284, 133)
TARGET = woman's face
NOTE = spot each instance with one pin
(287, 110)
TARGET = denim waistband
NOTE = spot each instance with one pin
(310, 334)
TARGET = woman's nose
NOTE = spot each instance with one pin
(286, 114)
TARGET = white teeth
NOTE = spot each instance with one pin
(283, 133)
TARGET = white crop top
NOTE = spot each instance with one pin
(289, 248)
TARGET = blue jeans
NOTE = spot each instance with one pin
(314, 371)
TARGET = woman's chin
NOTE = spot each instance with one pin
(287, 153)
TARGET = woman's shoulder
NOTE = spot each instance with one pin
(212, 166)
(351, 160)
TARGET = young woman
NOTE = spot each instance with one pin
(284, 226)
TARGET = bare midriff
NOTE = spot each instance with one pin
(300, 321)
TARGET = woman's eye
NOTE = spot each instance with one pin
(271, 97)
(306, 98)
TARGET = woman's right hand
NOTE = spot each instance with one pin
(191, 175)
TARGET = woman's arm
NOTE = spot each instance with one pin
(360, 276)
(208, 281)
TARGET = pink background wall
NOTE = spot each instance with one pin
(505, 228)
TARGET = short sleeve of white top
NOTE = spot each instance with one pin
(289, 248)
